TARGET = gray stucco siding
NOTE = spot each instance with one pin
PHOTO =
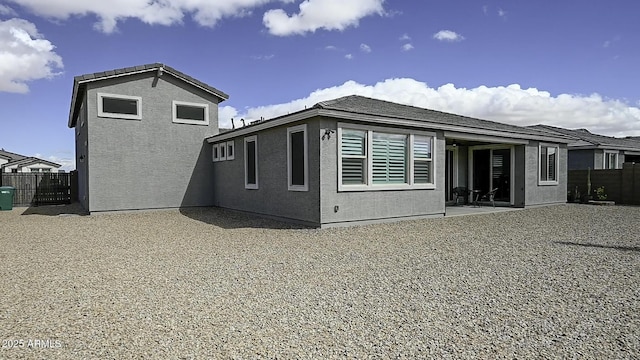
(152, 162)
(371, 205)
(536, 193)
(273, 197)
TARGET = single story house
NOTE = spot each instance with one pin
(357, 160)
(16, 163)
(147, 137)
(595, 151)
(140, 134)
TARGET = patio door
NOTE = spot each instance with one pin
(491, 168)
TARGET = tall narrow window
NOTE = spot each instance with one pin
(354, 157)
(422, 160)
(222, 150)
(230, 150)
(119, 106)
(548, 165)
(251, 162)
(215, 152)
(297, 158)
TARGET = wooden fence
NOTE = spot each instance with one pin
(620, 185)
(33, 189)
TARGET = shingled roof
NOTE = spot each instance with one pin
(364, 105)
(10, 156)
(364, 109)
(589, 139)
(80, 81)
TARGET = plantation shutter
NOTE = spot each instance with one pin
(353, 156)
(422, 160)
(389, 158)
(552, 163)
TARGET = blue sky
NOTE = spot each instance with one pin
(567, 63)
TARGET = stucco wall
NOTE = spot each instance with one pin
(272, 197)
(536, 194)
(153, 162)
(364, 206)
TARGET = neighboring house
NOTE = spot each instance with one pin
(15, 163)
(357, 160)
(140, 138)
(596, 151)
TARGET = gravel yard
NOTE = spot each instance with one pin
(551, 282)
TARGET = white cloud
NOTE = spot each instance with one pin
(365, 48)
(330, 47)
(7, 11)
(321, 14)
(348, 57)
(407, 47)
(24, 56)
(263, 57)
(502, 13)
(313, 14)
(404, 37)
(448, 35)
(160, 12)
(511, 104)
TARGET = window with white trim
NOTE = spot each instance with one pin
(231, 149)
(251, 162)
(222, 151)
(381, 159)
(549, 160)
(119, 106)
(297, 158)
(190, 113)
(610, 160)
(216, 152)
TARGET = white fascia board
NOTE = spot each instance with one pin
(303, 115)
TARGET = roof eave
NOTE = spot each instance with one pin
(384, 120)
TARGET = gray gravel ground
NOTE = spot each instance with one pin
(551, 282)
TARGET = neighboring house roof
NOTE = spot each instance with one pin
(30, 161)
(10, 156)
(364, 109)
(587, 140)
(80, 81)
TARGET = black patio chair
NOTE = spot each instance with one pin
(490, 196)
(460, 192)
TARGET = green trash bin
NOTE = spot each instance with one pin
(6, 197)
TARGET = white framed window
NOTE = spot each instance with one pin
(215, 152)
(375, 158)
(297, 158)
(548, 164)
(222, 151)
(190, 113)
(610, 160)
(251, 162)
(120, 106)
(231, 150)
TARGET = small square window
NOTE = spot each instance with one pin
(190, 113)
